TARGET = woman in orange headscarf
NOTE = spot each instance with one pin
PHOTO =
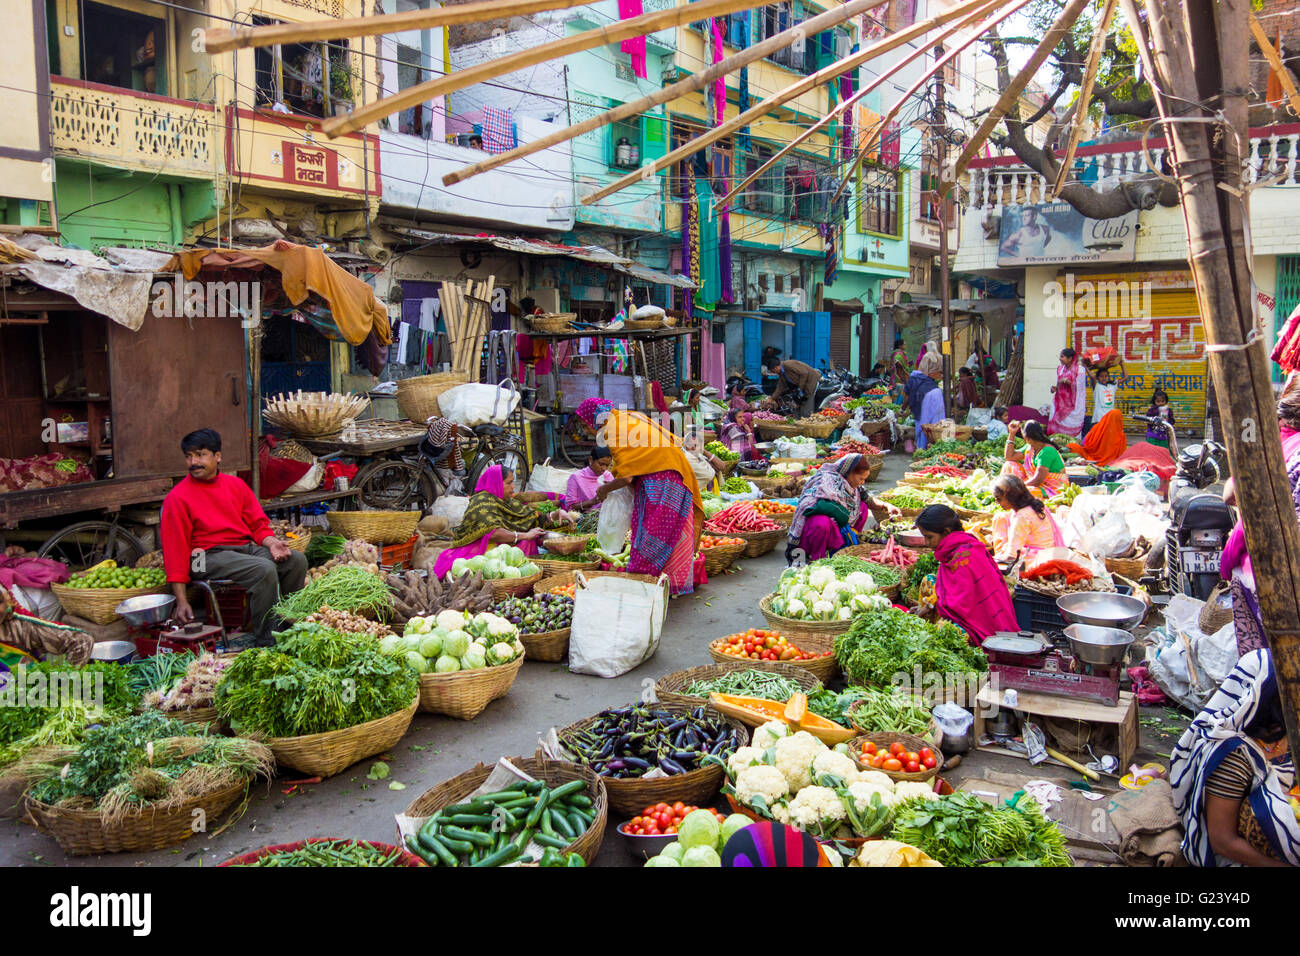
(1105, 442)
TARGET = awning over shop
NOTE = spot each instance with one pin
(118, 291)
(303, 270)
(844, 305)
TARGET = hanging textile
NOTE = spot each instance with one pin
(633, 46)
(498, 130)
(830, 238)
(727, 294)
(706, 238)
(846, 119)
(690, 247)
(742, 92)
(720, 84)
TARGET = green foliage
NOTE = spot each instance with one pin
(887, 642)
(962, 830)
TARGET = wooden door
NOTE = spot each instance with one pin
(170, 378)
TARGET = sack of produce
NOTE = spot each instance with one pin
(451, 507)
(617, 623)
(477, 404)
(548, 478)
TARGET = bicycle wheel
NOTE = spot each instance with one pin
(510, 457)
(392, 484)
(87, 543)
(575, 443)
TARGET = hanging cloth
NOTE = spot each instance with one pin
(690, 246)
(710, 285)
(633, 46)
(720, 84)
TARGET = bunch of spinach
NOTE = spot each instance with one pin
(962, 830)
(888, 642)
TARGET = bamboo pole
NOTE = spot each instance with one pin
(242, 38)
(1011, 95)
(1085, 94)
(1275, 63)
(852, 100)
(669, 93)
(776, 100)
(910, 92)
(600, 36)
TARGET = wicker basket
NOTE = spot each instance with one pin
(503, 588)
(668, 688)
(694, 788)
(1128, 567)
(717, 560)
(791, 627)
(911, 742)
(728, 468)
(299, 544)
(417, 398)
(639, 324)
(97, 605)
(548, 646)
(874, 471)
(823, 668)
(821, 429)
(555, 566)
(553, 772)
(313, 414)
(567, 544)
(552, 322)
(407, 858)
(198, 715)
(376, 527)
(777, 429)
(570, 577)
(325, 754)
(465, 694)
(759, 543)
(84, 832)
(293, 451)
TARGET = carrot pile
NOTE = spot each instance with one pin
(894, 555)
(740, 516)
(945, 470)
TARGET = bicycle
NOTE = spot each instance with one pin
(84, 544)
(396, 481)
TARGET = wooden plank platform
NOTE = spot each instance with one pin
(111, 494)
(1120, 722)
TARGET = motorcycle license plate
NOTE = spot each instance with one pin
(1201, 562)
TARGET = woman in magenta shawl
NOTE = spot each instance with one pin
(494, 516)
(969, 588)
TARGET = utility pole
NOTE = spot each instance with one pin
(938, 129)
(1196, 54)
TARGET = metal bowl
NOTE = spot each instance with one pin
(1098, 645)
(113, 652)
(1102, 609)
(147, 609)
(643, 847)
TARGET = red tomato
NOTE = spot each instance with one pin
(892, 763)
(897, 748)
(912, 767)
(651, 831)
(671, 829)
(928, 762)
(680, 808)
(869, 747)
(912, 757)
(926, 752)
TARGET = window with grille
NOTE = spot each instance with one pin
(309, 78)
(762, 194)
(879, 189)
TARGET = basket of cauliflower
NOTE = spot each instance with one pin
(815, 600)
(795, 779)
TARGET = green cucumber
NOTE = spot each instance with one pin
(470, 836)
(579, 800)
(500, 857)
(413, 845)
(560, 823)
(544, 840)
(471, 819)
(436, 846)
(578, 823)
(565, 790)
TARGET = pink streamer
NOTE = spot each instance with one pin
(720, 84)
(634, 47)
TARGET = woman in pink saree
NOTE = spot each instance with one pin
(494, 516)
(1069, 396)
(969, 588)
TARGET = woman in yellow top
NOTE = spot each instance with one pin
(1041, 468)
(1023, 524)
(668, 512)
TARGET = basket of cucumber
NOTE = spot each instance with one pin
(563, 805)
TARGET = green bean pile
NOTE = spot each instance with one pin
(890, 712)
(330, 853)
(749, 683)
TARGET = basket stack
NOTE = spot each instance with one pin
(313, 414)
(376, 527)
(717, 560)
(331, 752)
(465, 694)
(417, 398)
(97, 605)
(668, 689)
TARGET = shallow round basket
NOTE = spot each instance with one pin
(969, 512)
(407, 858)
(910, 742)
(802, 635)
(821, 429)
(198, 715)
(668, 689)
(728, 468)
(567, 544)
(777, 428)
(694, 788)
(717, 560)
(874, 471)
(554, 566)
(417, 397)
(503, 588)
(375, 527)
(905, 512)
(759, 543)
(466, 694)
(552, 321)
(1132, 568)
(553, 772)
(85, 832)
(98, 605)
(325, 754)
(299, 544)
(548, 584)
(548, 646)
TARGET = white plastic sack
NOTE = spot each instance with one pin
(451, 507)
(548, 478)
(1108, 537)
(788, 449)
(40, 601)
(476, 404)
(615, 521)
(617, 623)
(1212, 656)
(310, 480)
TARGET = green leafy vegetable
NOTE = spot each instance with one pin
(344, 588)
(889, 642)
(962, 830)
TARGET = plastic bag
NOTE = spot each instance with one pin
(1108, 537)
(548, 478)
(795, 449)
(615, 521)
(617, 622)
(451, 507)
(1190, 666)
(752, 495)
(476, 404)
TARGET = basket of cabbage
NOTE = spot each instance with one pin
(464, 661)
(510, 572)
(815, 599)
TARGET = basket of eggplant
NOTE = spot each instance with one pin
(655, 753)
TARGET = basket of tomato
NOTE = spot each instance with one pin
(764, 648)
(898, 756)
(720, 552)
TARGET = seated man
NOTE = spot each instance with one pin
(214, 527)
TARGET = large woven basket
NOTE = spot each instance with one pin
(668, 689)
(548, 584)
(417, 398)
(84, 832)
(465, 694)
(407, 858)
(883, 739)
(717, 560)
(376, 527)
(822, 429)
(503, 588)
(548, 646)
(823, 668)
(313, 414)
(552, 322)
(790, 626)
(325, 754)
(97, 605)
(567, 544)
(1128, 567)
(759, 543)
(553, 772)
(693, 788)
(777, 429)
(551, 566)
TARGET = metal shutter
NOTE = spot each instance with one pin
(841, 341)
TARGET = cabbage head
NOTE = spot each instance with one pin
(446, 665)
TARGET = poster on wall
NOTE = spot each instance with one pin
(1151, 319)
(1058, 234)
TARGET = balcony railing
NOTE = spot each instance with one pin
(1005, 181)
(132, 130)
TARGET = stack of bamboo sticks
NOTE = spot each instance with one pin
(1012, 380)
(466, 312)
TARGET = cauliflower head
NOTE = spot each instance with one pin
(794, 757)
(742, 758)
(862, 791)
(761, 781)
(912, 790)
(780, 813)
(834, 762)
(882, 780)
(816, 809)
(772, 731)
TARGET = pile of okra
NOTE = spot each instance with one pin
(493, 829)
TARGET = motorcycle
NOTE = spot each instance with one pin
(748, 390)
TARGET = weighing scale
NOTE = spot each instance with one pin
(1045, 664)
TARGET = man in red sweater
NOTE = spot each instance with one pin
(214, 527)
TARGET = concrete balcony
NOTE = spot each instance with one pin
(130, 130)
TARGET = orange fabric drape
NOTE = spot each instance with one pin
(641, 447)
(1105, 442)
(1273, 92)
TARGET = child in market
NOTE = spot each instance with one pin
(1103, 398)
(1156, 434)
